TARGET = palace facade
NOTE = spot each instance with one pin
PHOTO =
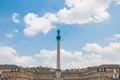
(102, 72)
(13, 72)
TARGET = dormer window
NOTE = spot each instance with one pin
(12, 69)
(100, 69)
(16, 69)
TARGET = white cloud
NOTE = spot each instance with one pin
(75, 59)
(23, 60)
(7, 52)
(37, 24)
(9, 55)
(75, 12)
(14, 17)
(112, 49)
(16, 31)
(88, 60)
(49, 64)
(117, 2)
(117, 36)
(114, 37)
(84, 11)
(93, 55)
(97, 55)
(9, 35)
(46, 54)
(50, 54)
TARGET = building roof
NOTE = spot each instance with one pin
(8, 66)
(44, 72)
(109, 65)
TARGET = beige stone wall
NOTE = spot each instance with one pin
(18, 74)
(45, 76)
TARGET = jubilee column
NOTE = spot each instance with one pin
(58, 71)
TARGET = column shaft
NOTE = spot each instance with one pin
(58, 55)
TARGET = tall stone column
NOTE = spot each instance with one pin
(58, 71)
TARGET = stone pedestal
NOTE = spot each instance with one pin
(58, 75)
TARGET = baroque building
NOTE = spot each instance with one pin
(102, 72)
(13, 72)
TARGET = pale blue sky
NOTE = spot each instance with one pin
(29, 26)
